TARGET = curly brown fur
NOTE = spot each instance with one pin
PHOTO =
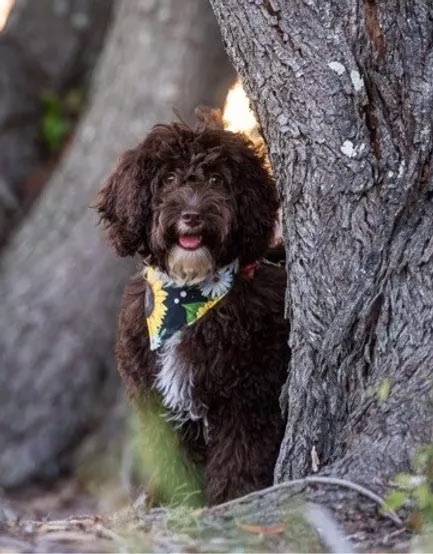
(210, 186)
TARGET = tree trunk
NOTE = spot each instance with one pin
(59, 284)
(343, 91)
(46, 46)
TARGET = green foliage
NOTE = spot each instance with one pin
(415, 492)
(160, 461)
(59, 115)
(396, 500)
(183, 519)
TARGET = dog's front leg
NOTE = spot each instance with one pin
(242, 450)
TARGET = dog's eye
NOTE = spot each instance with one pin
(170, 178)
(215, 179)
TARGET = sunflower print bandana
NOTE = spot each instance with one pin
(170, 307)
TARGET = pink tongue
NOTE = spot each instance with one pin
(189, 241)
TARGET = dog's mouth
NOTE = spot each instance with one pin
(190, 242)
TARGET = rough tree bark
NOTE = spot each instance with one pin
(59, 284)
(343, 90)
(46, 45)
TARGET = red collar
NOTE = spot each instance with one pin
(248, 271)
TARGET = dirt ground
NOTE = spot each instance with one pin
(37, 519)
(68, 518)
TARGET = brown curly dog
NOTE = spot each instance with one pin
(202, 325)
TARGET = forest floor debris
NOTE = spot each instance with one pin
(271, 522)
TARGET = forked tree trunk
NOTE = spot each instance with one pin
(343, 90)
(59, 284)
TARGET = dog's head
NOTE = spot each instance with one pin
(191, 200)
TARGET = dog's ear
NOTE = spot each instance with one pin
(257, 201)
(124, 203)
(208, 118)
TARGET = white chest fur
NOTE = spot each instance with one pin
(175, 383)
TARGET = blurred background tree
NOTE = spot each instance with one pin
(59, 284)
(48, 50)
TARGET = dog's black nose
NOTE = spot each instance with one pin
(191, 218)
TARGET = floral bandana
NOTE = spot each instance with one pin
(169, 307)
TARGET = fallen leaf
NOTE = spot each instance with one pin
(261, 529)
